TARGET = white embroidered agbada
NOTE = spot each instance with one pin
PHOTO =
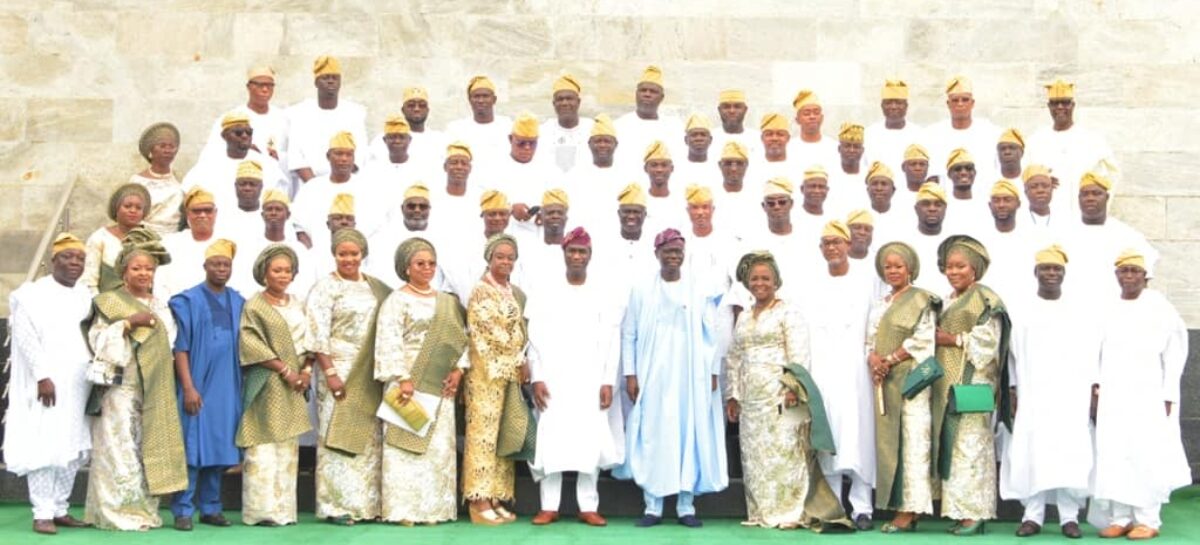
(311, 127)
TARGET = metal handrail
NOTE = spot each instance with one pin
(59, 222)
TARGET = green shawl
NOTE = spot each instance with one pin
(974, 307)
(271, 410)
(517, 438)
(822, 507)
(353, 421)
(163, 459)
(444, 344)
(895, 326)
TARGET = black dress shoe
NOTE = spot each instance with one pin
(690, 521)
(1071, 530)
(1029, 528)
(183, 524)
(647, 521)
(863, 523)
(217, 520)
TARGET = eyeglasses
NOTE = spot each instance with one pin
(239, 132)
(776, 203)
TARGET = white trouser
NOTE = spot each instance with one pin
(860, 492)
(1068, 503)
(585, 492)
(1121, 514)
(49, 489)
(684, 504)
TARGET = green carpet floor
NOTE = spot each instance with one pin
(1181, 524)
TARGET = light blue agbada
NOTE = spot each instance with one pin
(675, 431)
(208, 329)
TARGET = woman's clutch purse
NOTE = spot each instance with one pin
(411, 411)
(921, 376)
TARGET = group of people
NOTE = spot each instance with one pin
(296, 288)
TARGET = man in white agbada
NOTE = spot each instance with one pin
(521, 175)
(1039, 185)
(457, 198)
(483, 131)
(270, 124)
(836, 304)
(395, 168)
(418, 150)
(963, 129)
(1010, 151)
(930, 219)
(313, 122)
(1055, 356)
(879, 188)
(565, 137)
(847, 176)
(1139, 450)
(967, 210)
(1011, 245)
(275, 220)
(711, 254)
(1098, 239)
(187, 247)
(731, 111)
(47, 437)
(893, 134)
(214, 172)
(698, 165)
(740, 204)
(780, 237)
(774, 159)
(664, 207)
(574, 337)
(598, 179)
(310, 208)
(627, 249)
(1067, 148)
(543, 258)
(646, 124)
(810, 147)
(411, 219)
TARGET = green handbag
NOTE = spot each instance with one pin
(971, 398)
(921, 376)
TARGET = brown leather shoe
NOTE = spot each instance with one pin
(1141, 532)
(1029, 528)
(1114, 531)
(592, 518)
(45, 526)
(70, 522)
(1071, 530)
(545, 517)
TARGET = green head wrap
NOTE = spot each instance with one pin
(752, 259)
(349, 235)
(405, 252)
(154, 134)
(906, 252)
(497, 240)
(142, 241)
(970, 248)
(114, 200)
(268, 255)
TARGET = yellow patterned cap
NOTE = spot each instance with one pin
(731, 95)
(1012, 136)
(417, 189)
(250, 170)
(326, 65)
(1092, 178)
(915, 151)
(275, 195)
(698, 194)
(1034, 170)
(1005, 187)
(632, 194)
(234, 118)
(805, 97)
(1131, 257)
(197, 195)
(931, 191)
(64, 242)
(1051, 255)
(1060, 89)
(836, 229)
(493, 200)
(698, 121)
(343, 204)
(851, 132)
(415, 93)
(525, 126)
(260, 71)
(342, 140)
(959, 85)
(222, 247)
(604, 126)
(773, 122)
(894, 89)
(815, 171)
(555, 196)
(879, 170)
(860, 216)
(778, 186)
(458, 148)
(958, 156)
(567, 82)
(652, 74)
(396, 124)
(655, 151)
(735, 150)
(480, 82)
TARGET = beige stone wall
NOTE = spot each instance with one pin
(80, 79)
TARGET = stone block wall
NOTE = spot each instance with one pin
(80, 79)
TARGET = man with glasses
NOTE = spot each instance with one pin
(1068, 149)
(965, 212)
(410, 219)
(188, 246)
(269, 124)
(215, 171)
